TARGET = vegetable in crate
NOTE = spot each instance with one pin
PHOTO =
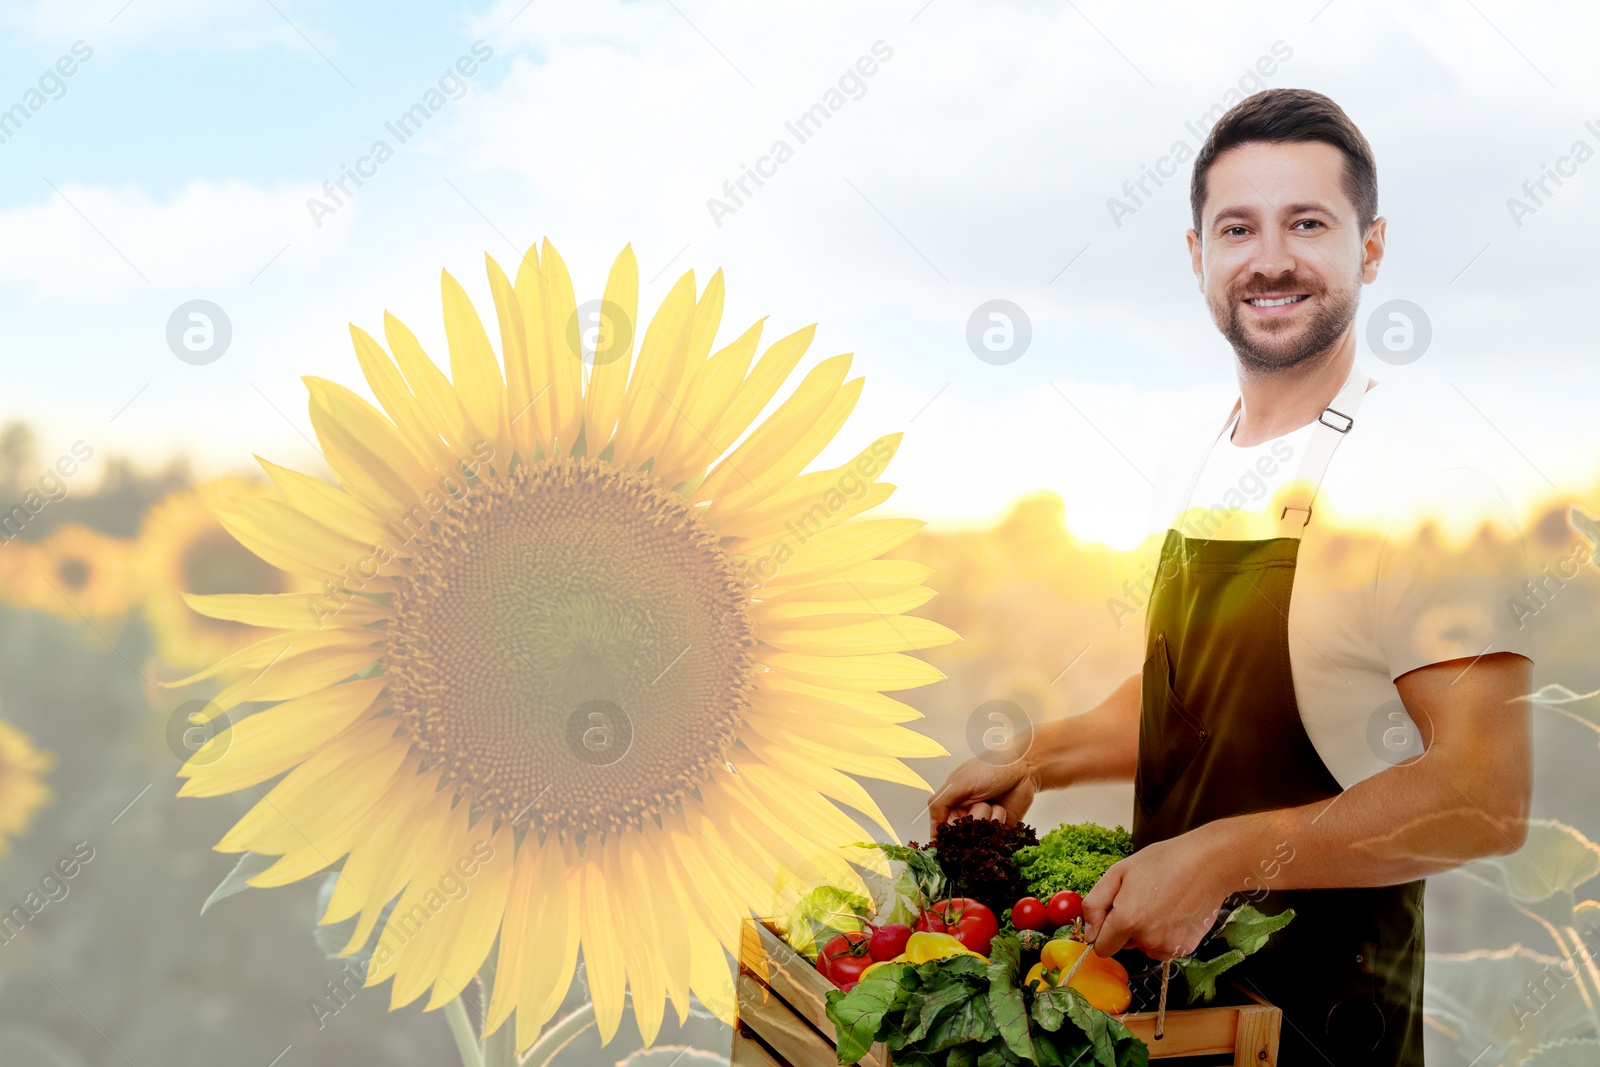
(1102, 980)
(1072, 856)
(977, 857)
(1244, 930)
(968, 921)
(960, 1011)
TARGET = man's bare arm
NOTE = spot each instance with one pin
(1467, 796)
(1101, 745)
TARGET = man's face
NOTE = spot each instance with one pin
(1279, 226)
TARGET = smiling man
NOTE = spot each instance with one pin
(1322, 720)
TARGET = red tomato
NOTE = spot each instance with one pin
(1028, 914)
(845, 971)
(842, 948)
(889, 940)
(1064, 908)
(968, 921)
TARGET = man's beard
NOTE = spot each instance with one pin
(1286, 348)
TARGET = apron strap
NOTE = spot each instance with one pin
(1333, 423)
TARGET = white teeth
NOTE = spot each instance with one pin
(1275, 303)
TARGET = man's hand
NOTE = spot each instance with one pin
(1100, 745)
(1162, 899)
(984, 790)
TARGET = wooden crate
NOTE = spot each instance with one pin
(783, 1020)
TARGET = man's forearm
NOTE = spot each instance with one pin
(1465, 798)
(1101, 745)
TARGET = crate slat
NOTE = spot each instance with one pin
(790, 975)
(1257, 1041)
(790, 1036)
(1189, 1032)
(748, 1052)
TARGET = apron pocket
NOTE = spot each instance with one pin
(1169, 737)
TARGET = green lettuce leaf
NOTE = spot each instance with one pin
(922, 867)
(827, 908)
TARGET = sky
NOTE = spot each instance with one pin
(971, 153)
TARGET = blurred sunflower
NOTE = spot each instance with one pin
(16, 557)
(182, 548)
(22, 788)
(583, 673)
(78, 572)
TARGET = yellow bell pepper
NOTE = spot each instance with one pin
(1102, 980)
(925, 946)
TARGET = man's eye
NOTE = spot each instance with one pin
(1313, 222)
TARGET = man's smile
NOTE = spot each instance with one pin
(1277, 304)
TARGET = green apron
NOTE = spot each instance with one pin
(1220, 734)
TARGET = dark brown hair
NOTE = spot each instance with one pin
(1277, 116)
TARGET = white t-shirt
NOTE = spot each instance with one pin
(1390, 574)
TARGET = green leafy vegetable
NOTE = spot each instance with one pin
(1246, 929)
(827, 909)
(1072, 856)
(1114, 1044)
(921, 864)
(976, 856)
(965, 1011)
(858, 1016)
(1201, 975)
(1006, 1001)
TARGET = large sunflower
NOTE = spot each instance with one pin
(77, 572)
(22, 788)
(589, 659)
(183, 549)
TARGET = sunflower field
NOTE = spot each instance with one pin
(480, 740)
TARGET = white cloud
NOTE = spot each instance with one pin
(167, 24)
(975, 164)
(93, 241)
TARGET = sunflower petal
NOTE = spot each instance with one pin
(473, 368)
(688, 362)
(805, 441)
(648, 391)
(851, 636)
(555, 888)
(514, 353)
(287, 611)
(839, 548)
(745, 467)
(565, 360)
(266, 744)
(299, 672)
(482, 909)
(436, 398)
(825, 780)
(399, 402)
(614, 354)
(757, 390)
(883, 671)
(602, 947)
